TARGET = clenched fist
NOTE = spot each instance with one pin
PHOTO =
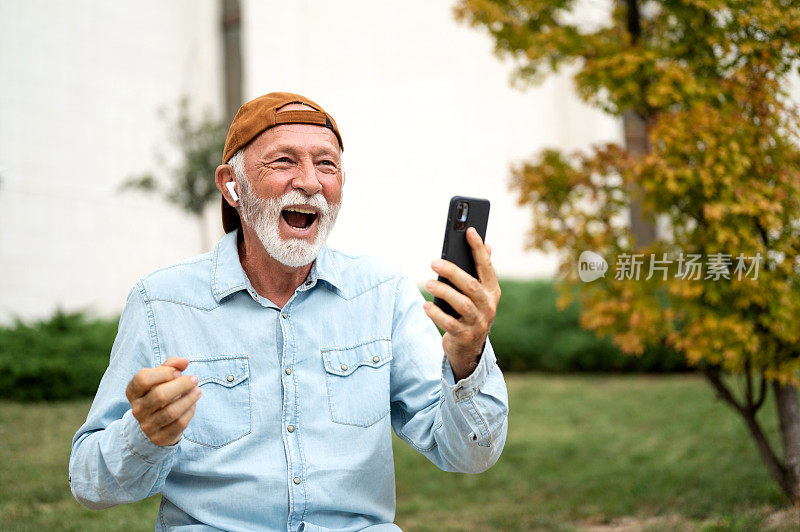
(163, 401)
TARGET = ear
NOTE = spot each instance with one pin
(222, 176)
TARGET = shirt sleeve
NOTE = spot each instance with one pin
(459, 426)
(112, 460)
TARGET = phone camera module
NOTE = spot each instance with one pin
(461, 216)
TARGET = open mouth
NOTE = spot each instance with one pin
(299, 217)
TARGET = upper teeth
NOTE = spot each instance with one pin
(301, 209)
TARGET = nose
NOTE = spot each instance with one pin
(306, 178)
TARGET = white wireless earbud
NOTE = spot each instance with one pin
(231, 185)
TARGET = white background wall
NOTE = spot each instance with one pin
(425, 109)
(82, 84)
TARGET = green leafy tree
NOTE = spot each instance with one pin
(711, 149)
(199, 142)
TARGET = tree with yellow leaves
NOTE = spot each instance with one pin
(711, 153)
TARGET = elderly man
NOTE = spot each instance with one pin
(255, 386)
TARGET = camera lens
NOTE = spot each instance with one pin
(462, 211)
(461, 216)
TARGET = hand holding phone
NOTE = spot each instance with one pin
(467, 293)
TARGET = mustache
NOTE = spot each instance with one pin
(296, 197)
(254, 207)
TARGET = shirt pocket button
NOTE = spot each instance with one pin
(223, 411)
(358, 380)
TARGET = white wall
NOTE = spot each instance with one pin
(426, 112)
(82, 83)
(424, 106)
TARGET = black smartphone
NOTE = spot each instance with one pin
(464, 212)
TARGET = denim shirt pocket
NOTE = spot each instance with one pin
(357, 379)
(223, 412)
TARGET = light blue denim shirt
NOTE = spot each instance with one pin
(293, 430)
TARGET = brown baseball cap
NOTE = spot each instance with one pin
(255, 117)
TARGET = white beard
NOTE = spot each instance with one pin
(264, 215)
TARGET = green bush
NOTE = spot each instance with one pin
(59, 358)
(531, 334)
(65, 356)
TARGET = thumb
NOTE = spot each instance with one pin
(178, 363)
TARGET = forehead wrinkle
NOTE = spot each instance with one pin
(307, 129)
(275, 139)
(297, 150)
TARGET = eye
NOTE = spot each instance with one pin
(327, 166)
(281, 163)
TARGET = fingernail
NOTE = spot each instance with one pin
(198, 391)
(176, 373)
(194, 379)
(426, 305)
(428, 284)
(436, 264)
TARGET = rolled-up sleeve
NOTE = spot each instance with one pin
(459, 426)
(112, 460)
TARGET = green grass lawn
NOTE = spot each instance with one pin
(583, 452)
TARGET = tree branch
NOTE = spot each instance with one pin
(762, 394)
(776, 468)
(713, 376)
(748, 390)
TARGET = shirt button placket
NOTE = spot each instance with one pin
(290, 434)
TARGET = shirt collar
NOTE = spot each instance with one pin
(325, 269)
(228, 276)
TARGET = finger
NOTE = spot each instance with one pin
(461, 303)
(489, 249)
(179, 363)
(175, 409)
(146, 378)
(481, 255)
(445, 321)
(163, 394)
(464, 282)
(171, 434)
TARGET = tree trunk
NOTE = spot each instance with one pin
(231, 28)
(789, 421)
(643, 226)
(232, 56)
